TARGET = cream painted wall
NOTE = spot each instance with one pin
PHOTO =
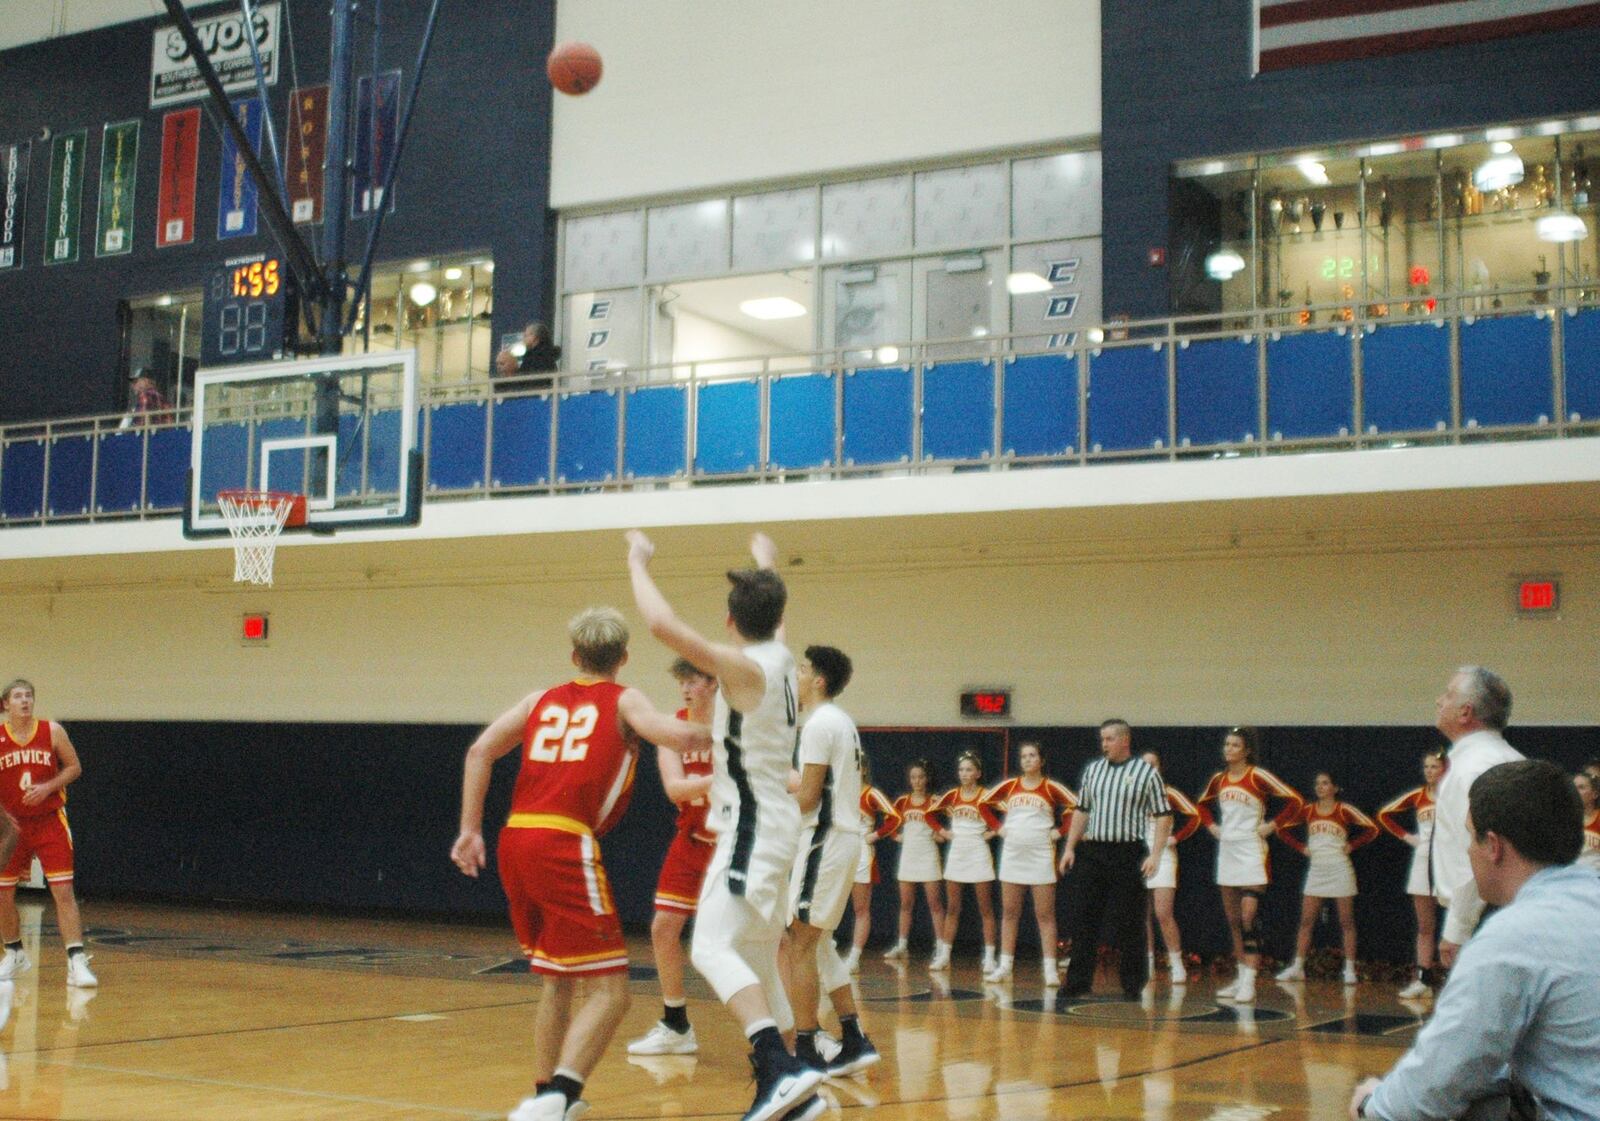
(701, 93)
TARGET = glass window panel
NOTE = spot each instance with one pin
(961, 206)
(605, 330)
(869, 309)
(866, 219)
(1492, 249)
(688, 240)
(775, 230)
(1054, 316)
(1056, 196)
(604, 251)
(963, 300)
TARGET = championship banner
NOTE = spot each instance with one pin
(308, 145)
(175, 76)
(377, 122)
(236, 203)
(180, 161)
(14, 202)
(1307, 32)
(63, 211)
(119, 171)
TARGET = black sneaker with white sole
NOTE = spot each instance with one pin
(856, 1054)
(807, 1051)
(808, 1110)
(782, 1084)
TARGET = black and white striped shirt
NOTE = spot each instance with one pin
(1120, 799)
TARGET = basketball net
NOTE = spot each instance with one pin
(256, 519)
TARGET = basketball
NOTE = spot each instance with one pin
(574, 68)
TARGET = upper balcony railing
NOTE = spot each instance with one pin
(1250, 383)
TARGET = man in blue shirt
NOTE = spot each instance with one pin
(1520, 1016)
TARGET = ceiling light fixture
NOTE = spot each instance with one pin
(1560, 226)
(1224, 264)
(1498, 172)
(452, 274)
(773, 307)
(1026, 283)
(423, 293)
(1315, 173)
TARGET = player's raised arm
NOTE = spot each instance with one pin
(664, 731)
(492, 743)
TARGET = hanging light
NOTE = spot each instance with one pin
(1498, 172)
(423, 293)
(1561, 225)
(1224, 264)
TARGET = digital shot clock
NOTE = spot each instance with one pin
(249, 311)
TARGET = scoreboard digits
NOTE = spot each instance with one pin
(249, 312)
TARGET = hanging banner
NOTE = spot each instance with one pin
(377, 122)
(174, 74)
(308, 146)
(14, 201)
(119, 171)
(236, 204)
(65, 207)
(180, 160)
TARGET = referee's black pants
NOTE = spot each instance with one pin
(1108, 885)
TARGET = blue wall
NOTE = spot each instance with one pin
(1175, 85)
(475, 177)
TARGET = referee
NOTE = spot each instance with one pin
(1117, 798)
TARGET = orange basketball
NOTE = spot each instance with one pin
(574, 68)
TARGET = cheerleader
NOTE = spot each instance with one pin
(1164, 884)
(968, 861)
(1330, 875)
(878, 820)
(1037, 810)
(1589, 856)
(1241, 792)
(919, 839)
(1419, 882)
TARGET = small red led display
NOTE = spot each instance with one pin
(255, 628)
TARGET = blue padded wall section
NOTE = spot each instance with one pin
(1505, 371)
(1040, 413)
(727, 428)
(456, 445)
(167, 479)
(801, 421)
(877, 415)
(22, 479)
(521, 454)
(1405, 378)
(1128, 398)
(71, 475)
(958, 410)
(1310, 391)
(117, 472)
(586, 440)
(1218, 392)
(1581, 347)
(656, 439)
(225, 460)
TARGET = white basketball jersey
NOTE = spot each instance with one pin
(830, 738)
(753, 752)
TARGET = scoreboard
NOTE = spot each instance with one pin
(249, 311)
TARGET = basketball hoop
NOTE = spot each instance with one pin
(256, 518)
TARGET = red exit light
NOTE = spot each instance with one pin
(255, 628)
(1538, 597)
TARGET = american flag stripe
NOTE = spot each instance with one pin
(1306, 32)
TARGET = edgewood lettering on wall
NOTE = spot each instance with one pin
(174, 74)
(14, 202)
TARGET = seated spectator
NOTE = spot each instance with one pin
(541, 355)
(147, 403)
(1516, 1030)
(505, 365)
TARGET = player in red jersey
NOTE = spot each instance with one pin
(580, 748)
(37, 761)
(687, 781)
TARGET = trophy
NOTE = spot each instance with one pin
(1318, 209)
(1297, 212)
(1338, 219)
(1274, 216)
(1385, 207)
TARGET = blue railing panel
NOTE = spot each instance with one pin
(1405, 378)
(521, 455)
(456, 445)
(22, 479)
(71, 475)
(167, 480)
(1505, 371)
(225, 462)
(1128, 398)
(1217, 392)
(958, 410)
(586, 444)
(1581, 348)
(728, 428)
(877, 415)
(117, 473)
(1310, 386)
(1040, 413)
(657, 436)
(802, 421)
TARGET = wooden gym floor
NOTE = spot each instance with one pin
(209, 1013)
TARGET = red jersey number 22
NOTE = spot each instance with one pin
(563, 736)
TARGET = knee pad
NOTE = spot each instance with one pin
(831, 970)
(724, 969)
(1251, 937)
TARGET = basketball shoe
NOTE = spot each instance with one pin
(783, 1086)
(14, 962)
(662, 1040)
(548, 1106)
(78, 974)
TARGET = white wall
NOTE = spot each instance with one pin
(702, 93)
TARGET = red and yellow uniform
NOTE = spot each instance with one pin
(684, 869)
(43, 827)
(1241, 810)
(1332, 831)
(575, 780)
(1590, 853)
(875, 807)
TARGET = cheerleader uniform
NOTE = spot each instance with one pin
(874, 805)
(1167, 870)
(968, 860)
(1419, 881)
(1589, 856)
(919, 852)
(1330, 874)
(1242, 806)
(1035, 817)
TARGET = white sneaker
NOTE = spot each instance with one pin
(1227, 991)
(1416, 990)
(1052, 975)
(1246, 992)
(14, 962)
(941, 958)
(827, 1046)
(548, 1107)
(998, 973)
(662, 1040)
(1296, 971)
(897, 952)
(1180, 975)
(852, 960)
(78, 974)
(989, 959)
(1350, 977)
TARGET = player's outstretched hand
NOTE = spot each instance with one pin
(468, 854)
(640, 547)
(763, 550)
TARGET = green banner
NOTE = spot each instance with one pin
(119, 171)
(66, 197)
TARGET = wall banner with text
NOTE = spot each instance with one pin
(65, 208)
(119, 172)
(180, 161)
(308, 146)
(236, 203)
(14, 160)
